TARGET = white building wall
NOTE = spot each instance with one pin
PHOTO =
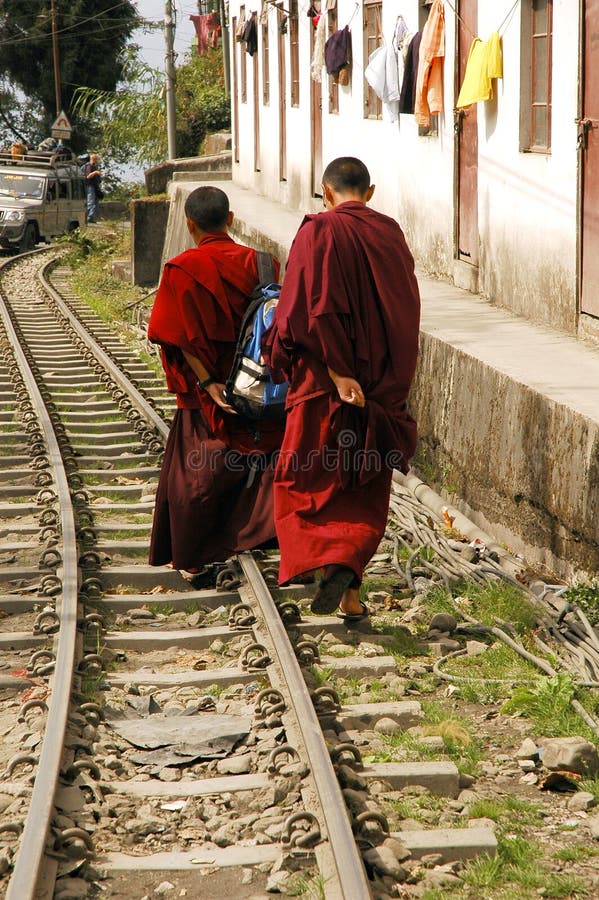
(526, 201)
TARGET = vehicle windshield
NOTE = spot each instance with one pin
(18, 184)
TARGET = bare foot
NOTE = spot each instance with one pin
(350, 604)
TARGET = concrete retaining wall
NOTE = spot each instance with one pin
(529, 464)
(149, 218)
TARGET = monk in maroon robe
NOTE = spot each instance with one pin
(345, 335)
(214, 496)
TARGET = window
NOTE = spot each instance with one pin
(294, 52)
(535, 76)
(333, 84)
(243, 62)
(373, 38)
(265, 66)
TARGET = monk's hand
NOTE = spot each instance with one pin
(217, 393)
(349, 391)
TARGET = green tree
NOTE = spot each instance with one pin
(131, 120)
(92, 35)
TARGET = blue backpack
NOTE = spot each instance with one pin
(250, 389)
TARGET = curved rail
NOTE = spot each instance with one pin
(104, 359)
(27, 867)
(348, 863)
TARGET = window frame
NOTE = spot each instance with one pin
(265, 66)
(294, 70)
(372, 19)
(530, 85)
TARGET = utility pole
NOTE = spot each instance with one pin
(169, 38)
(55, 57)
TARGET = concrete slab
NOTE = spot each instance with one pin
(20, 640)
(440, 778)
(451, 843)
(184, 679)
(193, 859)
(358, 666)
(200, 788)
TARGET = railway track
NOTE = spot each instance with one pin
(159, 736)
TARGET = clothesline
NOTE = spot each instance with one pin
(473, 36)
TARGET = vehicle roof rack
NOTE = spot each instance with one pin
(40, 158)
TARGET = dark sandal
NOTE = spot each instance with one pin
(330, 591)
(354, 617)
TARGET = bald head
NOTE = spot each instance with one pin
(347, 175)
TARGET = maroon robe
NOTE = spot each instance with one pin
(349, 302)
(214, 495)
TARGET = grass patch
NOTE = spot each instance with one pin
(511, 813)
(403, 644)
(499, 662)
(459, 745)
(486, 603)
(546, 702)
(592, 786)
(576, 853)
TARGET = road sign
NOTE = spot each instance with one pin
(61, 129)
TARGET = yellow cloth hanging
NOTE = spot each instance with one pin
(485, 61)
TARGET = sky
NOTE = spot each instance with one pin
(152, 42)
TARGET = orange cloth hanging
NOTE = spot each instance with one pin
(429, 84)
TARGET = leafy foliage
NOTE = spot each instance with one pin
(585, 594)
(547, 703)
(92, 35)
(131, 119)
(202, 105)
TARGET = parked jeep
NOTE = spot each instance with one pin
(41, 195)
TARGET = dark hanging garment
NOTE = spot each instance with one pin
(408, 88)
(250, 35)
(337, 50)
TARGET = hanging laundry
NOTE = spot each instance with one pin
(207, 30)
(337, 51)
(485, 62)
(264, 13)
(381, 75)
(240, 29)
(250, 35)
(318, 52)
(408, 87)
(429, 87)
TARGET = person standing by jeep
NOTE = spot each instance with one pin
(93, 190)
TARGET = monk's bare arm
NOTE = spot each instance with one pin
(349, 389)
(214, 390)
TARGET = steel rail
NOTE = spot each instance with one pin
(116, 374)
(22, 885)
(348, 862)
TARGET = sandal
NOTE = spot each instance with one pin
(330, 591)
(348, 618)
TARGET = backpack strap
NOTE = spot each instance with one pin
(266, 269)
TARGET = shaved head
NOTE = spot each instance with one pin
(347, 175)
(208, 208)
